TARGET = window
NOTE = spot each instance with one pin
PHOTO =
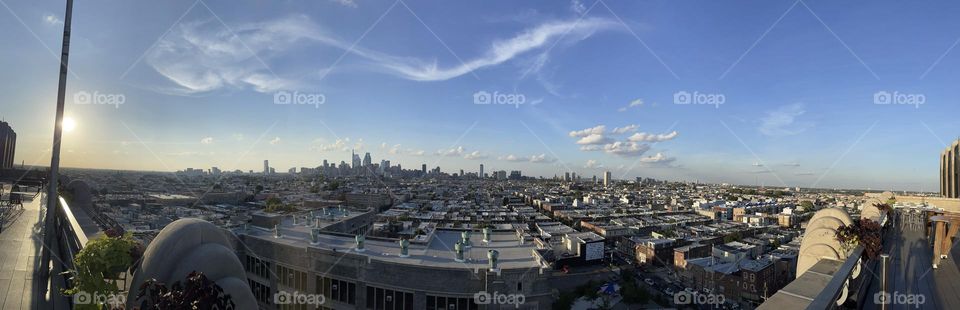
(451, 303)
(258, 267)
(260, 292)
(387, 299)
(292, 278)
(339, 290)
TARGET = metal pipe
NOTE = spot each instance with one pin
(884, 264)
(52, 196)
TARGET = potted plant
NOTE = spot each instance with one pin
(98, 265)
(197, 292)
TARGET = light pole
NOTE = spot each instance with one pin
(49, 232)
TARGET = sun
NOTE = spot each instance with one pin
(69, 124)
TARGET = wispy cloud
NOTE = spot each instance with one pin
(206, 140)
(346, 3)
(648, 137)
(635, 103)
(52, 20)
(542, 158)
(204, 56)
(784, 121)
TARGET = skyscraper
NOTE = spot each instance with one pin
(949, 171)
(355, 163)
(424, 168)
(8, 145)
(607, 177)
(266, 166)
(367, 160)
(481, 171)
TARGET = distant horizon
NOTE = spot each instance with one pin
(538, 177)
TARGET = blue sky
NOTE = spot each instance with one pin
(200, 81)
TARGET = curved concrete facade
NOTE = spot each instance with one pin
(819, 239)
(188, 245)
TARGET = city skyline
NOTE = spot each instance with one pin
(795, 88)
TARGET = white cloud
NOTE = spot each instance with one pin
(206, 140)
(338, 145)
(52, 20)
(593, 139)
(205, 56)
(346, 3)
(475, 155)
(275, 141)
(792, 164)
(635, 103)
(542, 158)
(577, 7)
(648, 137)
(416, 152)
(784, 121)
(625, 129)
(626, 149)
(395, 150)
(593, 164)
(457, 151)
(658, 158)
(510, 157)
(599, 129)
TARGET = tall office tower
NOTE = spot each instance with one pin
(355, 163)
(481, 171)
(266, 166)
(573, 176)
(424, 169)
(367, 160)
(566, 176)
(950, 171)
(8, 145)
(324, 163)
(607, 177)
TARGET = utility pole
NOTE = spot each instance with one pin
(49, 231)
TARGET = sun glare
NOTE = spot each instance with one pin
(69, 124)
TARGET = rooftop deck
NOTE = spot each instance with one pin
(438, 252)
(19, 253)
